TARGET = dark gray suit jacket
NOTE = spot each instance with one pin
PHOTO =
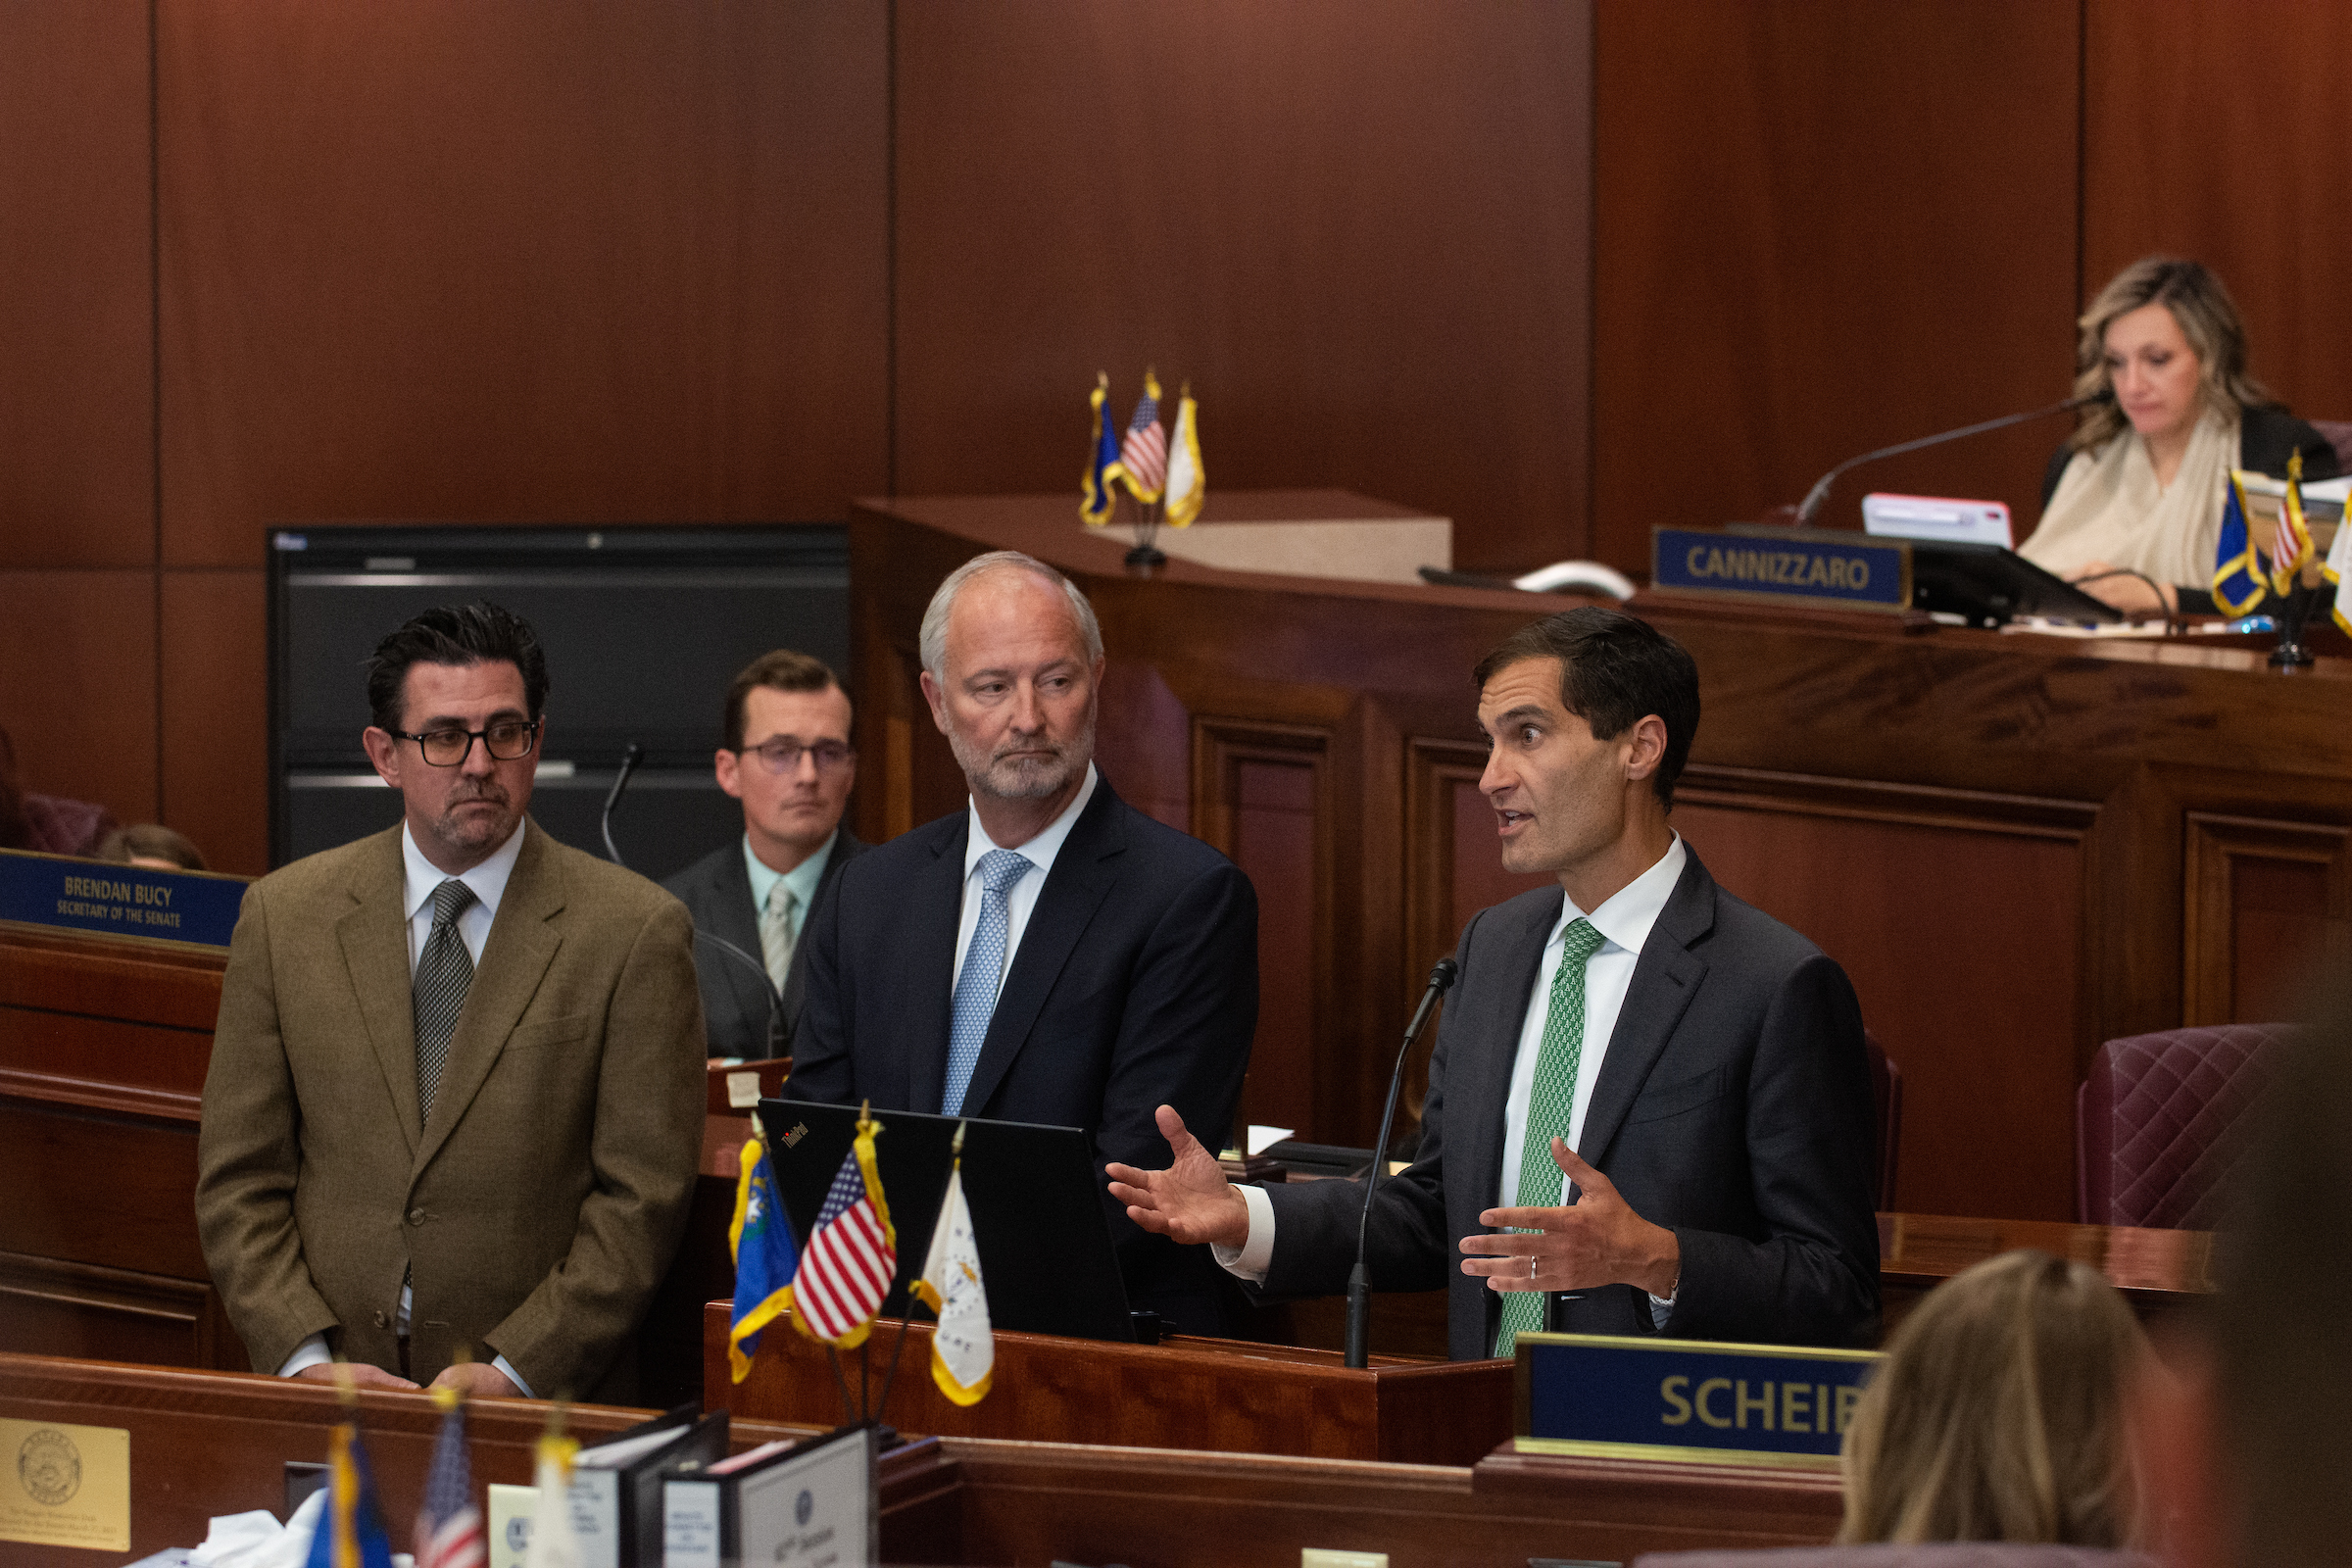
(1135, 986)
(1733, 1108)
(717, 891)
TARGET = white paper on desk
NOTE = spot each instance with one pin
(1262, 1139)
(257, 1540)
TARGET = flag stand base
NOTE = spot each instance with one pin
(2291, 654)
(2294, 613)
(1147, 557)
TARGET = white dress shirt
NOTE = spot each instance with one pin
(420, 878)
(1624, 921)
(1020, 899)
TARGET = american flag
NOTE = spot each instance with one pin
(449, 1527)
(2290, 545)
(1145, 453)
(851, 1255)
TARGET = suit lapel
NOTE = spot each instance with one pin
(733, 915)
(925, 938)
(521, 945)
(1666, 977)
(374, 939)
(1510, 956)
(1082, 877)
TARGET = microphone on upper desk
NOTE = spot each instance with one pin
(1810, 507)
(1359, 1279)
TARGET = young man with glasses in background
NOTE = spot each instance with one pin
(456, 1094)
(788, 760)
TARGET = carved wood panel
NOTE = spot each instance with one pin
(1261, 793)
(2268, 903)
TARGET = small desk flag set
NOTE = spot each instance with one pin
(1161, 473)
(2290, 571)
(832, 1287)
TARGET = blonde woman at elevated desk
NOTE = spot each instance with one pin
(2132, 504)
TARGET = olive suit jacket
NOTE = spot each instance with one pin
(536, 1212)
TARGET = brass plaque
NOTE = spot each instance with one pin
(65, 1486)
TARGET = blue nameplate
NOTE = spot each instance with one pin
(1789, 566)
(1603, 1396)
(186, 909)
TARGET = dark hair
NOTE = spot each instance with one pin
(783, 670)
(1614, 671)
(153, 839)
(479, 633)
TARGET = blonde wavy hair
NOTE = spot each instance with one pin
(1998, 1415)
(2207, 316)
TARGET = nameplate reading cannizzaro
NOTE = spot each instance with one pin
(1603, 1396)
(65, 1485)
(1818, 567)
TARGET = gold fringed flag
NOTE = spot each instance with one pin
(1188, 481)
(852, 1251)
(2237, 582)
(1143, 455)
(964, 1349)
(2291, 543)
(1096, 497)
(766, 1256)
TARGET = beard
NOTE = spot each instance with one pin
(476, 832)
(1044, 769)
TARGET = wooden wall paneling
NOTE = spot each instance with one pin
(2268, 907)
(1143, 742)
(1970, 974)
(76, 288)
(78, 677)
(1821, 229)
(1359, 230)
(215, 756)
(1263, 792)
(2185, 151)
(86, 1187)
(513, 261)
(49, 1307)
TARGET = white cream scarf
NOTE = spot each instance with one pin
(2108, 507)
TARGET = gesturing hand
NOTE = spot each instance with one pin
(1190, 1200)
(1597, 1241)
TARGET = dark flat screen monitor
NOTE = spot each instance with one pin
(1037, 1216)
(1990, 585)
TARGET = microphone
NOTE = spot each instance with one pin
(1810, 507)
(629, 766)
(1359, 1280)
(767, 987)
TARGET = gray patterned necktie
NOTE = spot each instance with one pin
(444, 971)
(775, 932)
(983, 972)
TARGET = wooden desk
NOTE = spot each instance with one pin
(206, 1443)
(2158, 1271)
(2017, 847)
(1184, 1393)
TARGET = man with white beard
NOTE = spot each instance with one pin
(1048, 953)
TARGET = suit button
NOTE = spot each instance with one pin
(416, 1216)
(381, 1320)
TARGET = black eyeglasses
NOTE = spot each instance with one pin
(784, 756)
(506, 741)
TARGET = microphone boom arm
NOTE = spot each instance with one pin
(1359, 1279)
(1810, 507)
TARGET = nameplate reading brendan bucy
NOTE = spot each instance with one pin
(1608, 1396)
(99, 897)
(1817, 567)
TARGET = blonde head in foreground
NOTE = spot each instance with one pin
(1998, 1415)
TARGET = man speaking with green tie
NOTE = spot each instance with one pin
(1649, 1107)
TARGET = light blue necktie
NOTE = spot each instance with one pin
(983, 973)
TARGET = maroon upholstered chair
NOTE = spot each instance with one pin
(1942, 1554)
(2159, 1120)
(2339, 437)
(1886, 1094)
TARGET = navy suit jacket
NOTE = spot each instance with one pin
(1135, 985)
(1733, 1108)
(737, 1011)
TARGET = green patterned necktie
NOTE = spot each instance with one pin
(1550, 1103)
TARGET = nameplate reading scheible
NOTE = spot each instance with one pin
(1697, 1402)
(98, 898)
(1817, 567)
(64, 1485)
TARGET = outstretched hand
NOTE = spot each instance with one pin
(1597, 1241)
(1190, 1200)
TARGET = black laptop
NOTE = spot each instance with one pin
(1039, 1220)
